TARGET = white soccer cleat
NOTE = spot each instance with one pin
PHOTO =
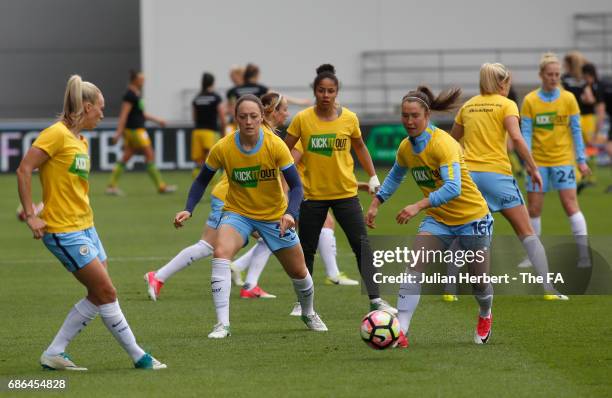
(314, 322)
(382, 305)
(342, 280)
(220, 332)
(148, 362)
(113, 191)
(526, 263)
(236, 275)
(59, 362)
(297, 309)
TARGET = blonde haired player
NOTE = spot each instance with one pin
(484, 122)
(550, 123)
(66, 224)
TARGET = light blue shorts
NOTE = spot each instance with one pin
(269, 231)
(499, 190)
(559, 177)
(75, 249)
(473, 235)
(216, 210)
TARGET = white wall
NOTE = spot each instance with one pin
(289, 39)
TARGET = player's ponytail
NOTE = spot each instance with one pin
(493, 77)
(77, 92)
(445, 101)
(250, 73)
(207, 81)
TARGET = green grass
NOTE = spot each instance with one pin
(538, 348)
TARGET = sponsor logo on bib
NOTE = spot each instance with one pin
(249, 177)
(326, 144)
(80, 166)
(548, 120)
(423, 176)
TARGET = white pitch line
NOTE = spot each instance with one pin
(50, 261)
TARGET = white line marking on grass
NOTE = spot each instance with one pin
(52, 261)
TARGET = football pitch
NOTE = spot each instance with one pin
(537, 348)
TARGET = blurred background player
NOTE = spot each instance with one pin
(550, 123)
(209, 118)
(66, 224)
(250, 83)
(484, 122)
(592, 118)
(455, 208)
(236, 76)
(606, 84)
(131, 126)
(327, 133)
(255, 201)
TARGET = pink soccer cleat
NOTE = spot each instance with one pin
(154, 285)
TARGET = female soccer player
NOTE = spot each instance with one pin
(327, 133)
(275, 114)
(455, 208)
(482, 122)
(209, 119)
(131, 125)
(251, 83)
(66, 223)
(253, 160)
(550, 123)
(255, 259)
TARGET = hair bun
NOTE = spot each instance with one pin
(326, 68)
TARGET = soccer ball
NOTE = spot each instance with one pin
(380, 329)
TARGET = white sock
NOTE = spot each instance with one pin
(79, 316)
(536, 224)
(221, 285)
(579, 229)
(327, 250)
(259, 259)
(304, 289)
(117, 324)
(187, 256)
(407, 300)
(244, 261)
(537, 257)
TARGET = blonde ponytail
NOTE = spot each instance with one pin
(77, 92)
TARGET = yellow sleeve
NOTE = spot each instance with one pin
(399, 158)
(295, 127)
(283, 155)
(459, 117)
(355, 130)
(214, 159)
(447, 153)
(574, 109)
(50, 141)
(526, 109)
(510, 109)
